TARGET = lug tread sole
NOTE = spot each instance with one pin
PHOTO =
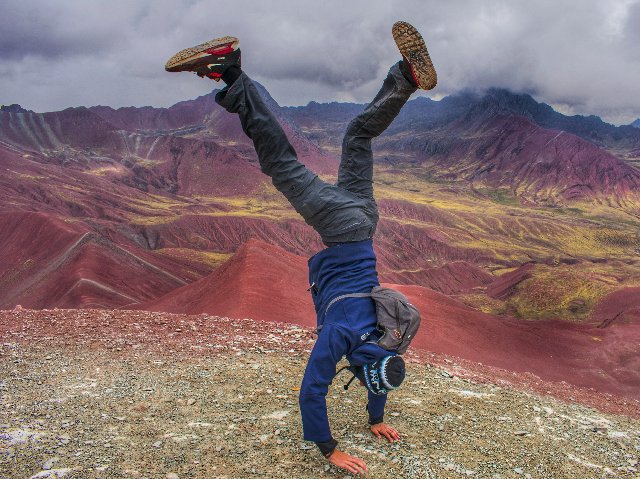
(185, 58)
(412, 47)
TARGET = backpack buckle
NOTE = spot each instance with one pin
(313, 288)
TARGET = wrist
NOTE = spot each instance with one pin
(375, 420)
(376, 416)
(327, 448)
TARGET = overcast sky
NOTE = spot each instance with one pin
(582, 56)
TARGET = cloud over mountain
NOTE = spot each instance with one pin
(55, 54)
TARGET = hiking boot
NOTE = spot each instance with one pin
(209, 59)
(415, 55)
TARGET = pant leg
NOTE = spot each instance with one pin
(335, 213)
(276, 155)
(356, 165)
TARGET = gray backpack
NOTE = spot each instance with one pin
(398, 319)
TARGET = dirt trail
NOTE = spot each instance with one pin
(111, 394)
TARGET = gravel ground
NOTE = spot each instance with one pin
(97, 394)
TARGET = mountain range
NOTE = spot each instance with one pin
(494, 202)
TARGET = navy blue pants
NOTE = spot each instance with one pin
(340, 213)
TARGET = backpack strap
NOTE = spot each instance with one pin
(350, 368)
(343, 296)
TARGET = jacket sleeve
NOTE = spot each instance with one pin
(330, 346)
(375, 407)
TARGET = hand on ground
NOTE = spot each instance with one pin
(381, 429)
(349, 463)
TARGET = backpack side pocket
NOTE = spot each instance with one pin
(398, 319)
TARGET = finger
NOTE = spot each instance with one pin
(393, 433)
(377, 433)
(355, 469)
(347, 466)
(360, 463)
(390, 433)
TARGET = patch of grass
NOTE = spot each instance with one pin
(616, 238)
(103, 170)
(502, 196)
(558, 292)
(146, 163)
(483, 303)
(212, 259)
(155, 202)
(261, 206)
(429, 177)
(501, 271)
(24, 176)
(151, 220)
(570, 210)
(152, 209)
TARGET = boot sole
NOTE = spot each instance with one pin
(413, 48)
(185, 59)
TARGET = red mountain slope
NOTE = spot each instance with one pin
(580, 354)
(48, 263)
(620, 307)
(505, 285)
(260, 281)
(452, 278)
(229, 233)
(268, 284)
(192, 148)
(499, 141)
(539, 165)
(27, 241)
(78, 127)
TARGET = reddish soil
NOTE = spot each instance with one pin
(48, 262)
(452, 278)
(229, 233)
(422, 243)
(621, 306)
(604, 359)
(128, 332)
(505, 285)
(260, 281)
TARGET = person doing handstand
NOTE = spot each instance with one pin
(345, 215)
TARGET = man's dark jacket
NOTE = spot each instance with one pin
(347, 328)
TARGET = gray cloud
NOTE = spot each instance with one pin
(579, 56)
(50, 31)
(631, 33)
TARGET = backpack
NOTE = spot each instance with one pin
(398, 319)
